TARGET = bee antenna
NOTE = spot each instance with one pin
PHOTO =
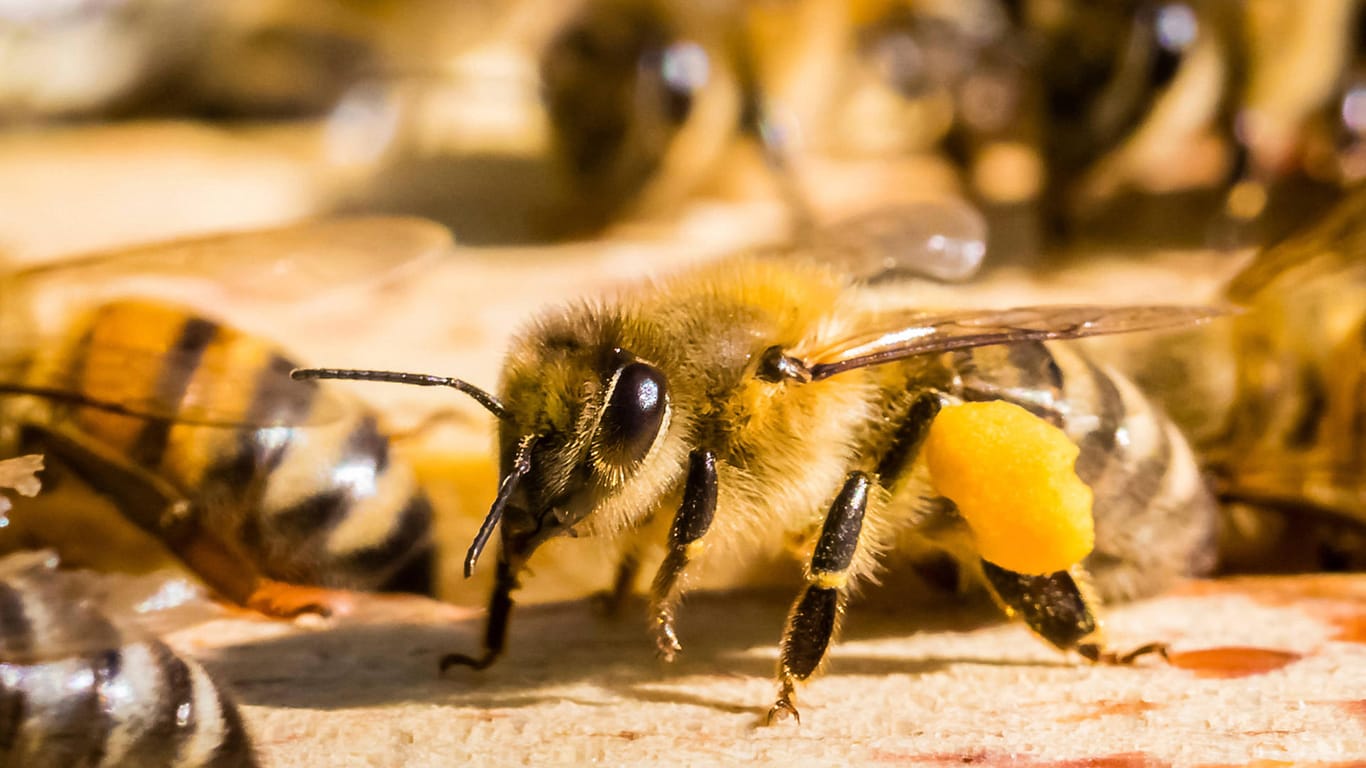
(521, 464)
(491, 403)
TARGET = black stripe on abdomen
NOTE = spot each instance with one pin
(1098, 452)
(160, 740)
(240, 475)
(234, 748)
(16, 631)
(316, 515)
(407, 540)
(178, 369)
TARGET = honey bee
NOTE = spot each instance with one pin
(77, 688)
(765, 396)
(195, 431)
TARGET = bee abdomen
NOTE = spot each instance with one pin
(134, 704)
(1155, 516)
(1156, 519)
(358, 527)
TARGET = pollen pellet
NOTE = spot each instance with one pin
(1011, 475)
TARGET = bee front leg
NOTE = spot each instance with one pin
(496, 631)
(1057, 607)
(816, 614)
(685, 542)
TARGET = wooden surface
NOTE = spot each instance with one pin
(912, 683)
(1267, 671)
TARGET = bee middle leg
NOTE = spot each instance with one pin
(816, 614)
(1057, 608)
(608, 602)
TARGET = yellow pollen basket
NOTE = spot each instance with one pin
(1012, 476)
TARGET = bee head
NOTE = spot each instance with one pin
(590, 439)
(590, 445)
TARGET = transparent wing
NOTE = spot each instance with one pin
(272, 264)
(899, 335)
(177, 387)
(943, 240)
(1331, 251)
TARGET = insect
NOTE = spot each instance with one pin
(763, 396)
(1273, 399)
(193, 428)
(77, 688)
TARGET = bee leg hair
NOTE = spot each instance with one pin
(1059, 609)
(685, 543)
(816, 614)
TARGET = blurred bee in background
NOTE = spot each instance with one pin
(533, 120)
(1273, 399)
(764, 396)
(1085, 118)
(194, 430)
(253, 59)
(80, 688)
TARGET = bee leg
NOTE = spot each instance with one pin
(608, 602)
(685, 542)
(496, 631)
(1057, 607)
(157, 507)
(816, 614)
(141, 497)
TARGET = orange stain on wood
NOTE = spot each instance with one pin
(1108, 708)
(1356, 709)
(1232, 661)
(1351, 628)
(1279, 591)
(1122, 760)
(1286, 764)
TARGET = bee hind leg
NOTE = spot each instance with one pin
(1058, 608)
(815, 616)
(685, 543)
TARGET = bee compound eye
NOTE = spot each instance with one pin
(682, 68)
(633, 415)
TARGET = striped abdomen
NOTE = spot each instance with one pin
(75, 692)
(1155, 518)
(301, 480)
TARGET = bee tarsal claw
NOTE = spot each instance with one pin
(1098, 655)
(667, 646)
(461, 660)
(782, 710)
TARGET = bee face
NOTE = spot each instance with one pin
(597, 423)
(621, 84)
